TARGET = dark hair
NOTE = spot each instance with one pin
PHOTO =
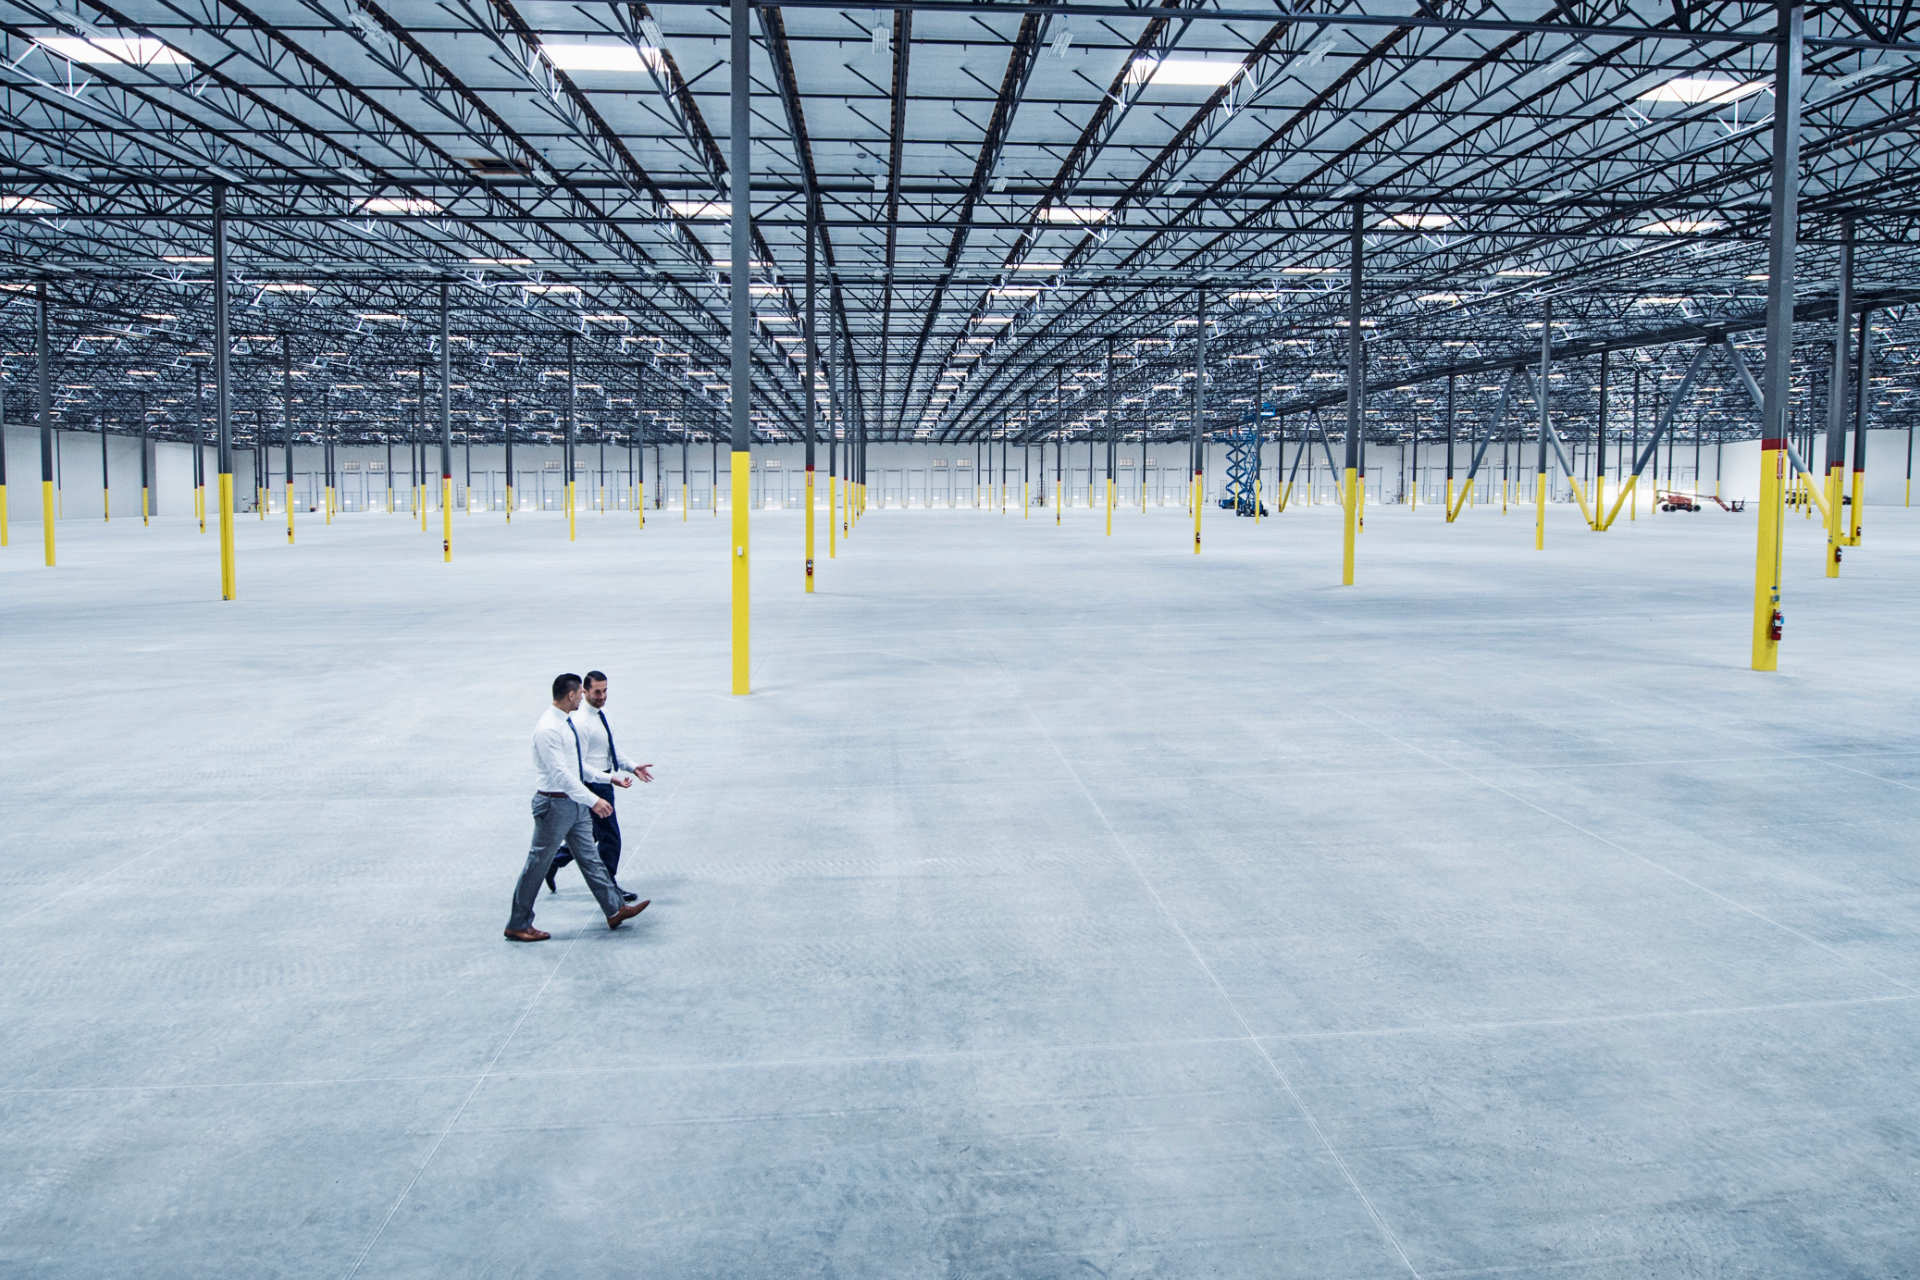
(601, 676)
(564, 685)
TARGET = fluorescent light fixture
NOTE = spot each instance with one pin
(1308, 271)
(501, 262)
(551, 288)
(606, 317)
(286, 286)
(380, 317)
(1039, 266)
(600, 55)
(162, 316)
(1253, 295)
(1418, 221)
(1153, 342)
(186, 259)
(701, 208)
(1695, 90)
(1681, 226)
(1081, 215)
(24, 204)
(1440, 297)
(141, 51)
(1166, 386)
(1015, 291)
(996, 320)
(508, 355)
(775, 319)
(399, 204)
(1658, 302)
(1180, 72)
(142, 373)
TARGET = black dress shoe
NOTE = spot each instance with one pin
(551, 887)
(629, 897)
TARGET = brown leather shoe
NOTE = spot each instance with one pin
(526, 935)
(626, 913)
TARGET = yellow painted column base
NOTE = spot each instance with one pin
(6, 536)
(1195, 498)
(1859, 499)
(742, 604)
(809, 530)
(1599, 501)
(1836, 535)
(640, 502)
(229, 587)
(1540, 512)
(833, 516)
(572, 524)
(509, 504)
(446, 519)
(1766, 562)
(1350, 517)
(289, 515)
(46, 517)
(683, 504)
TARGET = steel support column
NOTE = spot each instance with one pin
(223, 396)
(1199, 413)
(739, 276)
(1777, 386)
(1356, 392)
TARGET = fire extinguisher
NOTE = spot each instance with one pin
(1775, 627)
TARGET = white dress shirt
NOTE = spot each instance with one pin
(556, 759)
(596, 741)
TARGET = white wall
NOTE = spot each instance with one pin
(923, 472)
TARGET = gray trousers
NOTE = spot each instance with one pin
(559, 821)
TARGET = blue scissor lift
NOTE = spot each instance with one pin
(1243, 461)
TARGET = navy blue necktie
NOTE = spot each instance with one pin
(613, 757)
(578, 759)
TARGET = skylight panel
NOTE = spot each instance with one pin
(601, 55)
(399, 205)
(1695, 90)
(1180, 72)
(139, 51)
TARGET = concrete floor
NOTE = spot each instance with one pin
(1057, 906)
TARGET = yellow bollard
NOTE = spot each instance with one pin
(742, 614)
(1766, 571)
(1350, 514)
(229, 588)
(1198, 499)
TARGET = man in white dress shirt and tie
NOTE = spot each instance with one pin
(563, 813)
(601, 755)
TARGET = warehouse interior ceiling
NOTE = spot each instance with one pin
(1011, 200)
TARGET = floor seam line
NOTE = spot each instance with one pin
(1286, 1084)
(1665, 870)
(452, 1121)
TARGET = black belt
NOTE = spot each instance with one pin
(558, 795)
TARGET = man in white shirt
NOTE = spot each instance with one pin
(563, 813)
(601, 755)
